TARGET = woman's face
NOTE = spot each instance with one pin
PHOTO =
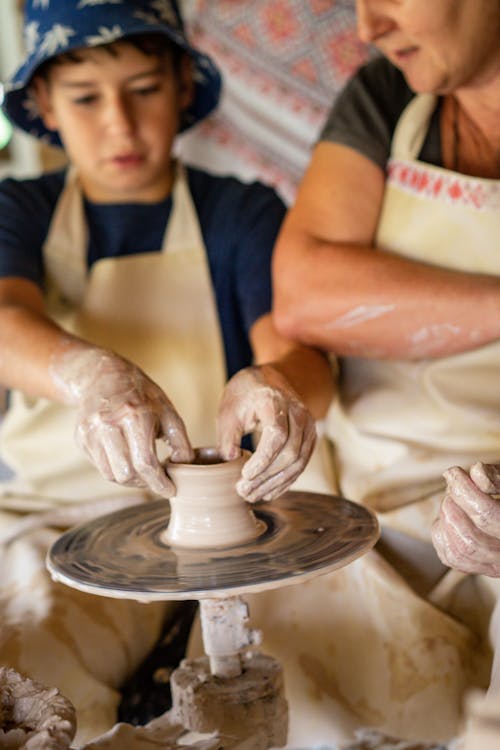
(439, 45)
(117, 116)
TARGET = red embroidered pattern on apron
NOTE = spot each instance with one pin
(440, 185)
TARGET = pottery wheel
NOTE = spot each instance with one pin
(121, 554)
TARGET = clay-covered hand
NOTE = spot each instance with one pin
(260, 398)
(120, 414)
(466, 534)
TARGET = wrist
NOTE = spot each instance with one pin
(76, 369)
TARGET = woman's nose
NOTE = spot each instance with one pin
(373, 20)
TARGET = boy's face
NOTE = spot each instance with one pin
(117, 116)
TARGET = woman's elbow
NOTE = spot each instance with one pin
(287, 315)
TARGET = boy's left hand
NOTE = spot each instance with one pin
(261, 398)
(466, 534)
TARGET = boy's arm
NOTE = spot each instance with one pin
(281, 395)
(307, 369)
(28, 340)
(119, 410)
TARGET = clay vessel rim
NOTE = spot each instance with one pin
(204, 456)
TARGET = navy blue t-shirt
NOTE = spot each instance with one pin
(239, 223)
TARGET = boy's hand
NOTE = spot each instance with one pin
(466, 533)
(120, 414)
(261, 398)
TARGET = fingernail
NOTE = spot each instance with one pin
(182, 456)
(230, 452)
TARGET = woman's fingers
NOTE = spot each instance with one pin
(481, 508)
(460, 544)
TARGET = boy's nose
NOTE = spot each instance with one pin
(372, 18)
(118, 116)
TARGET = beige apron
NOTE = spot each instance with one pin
(401, 424)
(158, 310)
(360, 646)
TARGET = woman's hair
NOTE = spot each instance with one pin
(154, 45)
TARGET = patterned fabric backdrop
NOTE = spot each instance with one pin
(283, 63)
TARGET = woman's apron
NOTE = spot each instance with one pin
(363, 646)
(400, 424)
(158, 310)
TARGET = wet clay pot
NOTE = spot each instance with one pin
(206, 510)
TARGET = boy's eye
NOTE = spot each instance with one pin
(83, 100)
(146, 90)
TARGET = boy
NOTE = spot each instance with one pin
(131, 288)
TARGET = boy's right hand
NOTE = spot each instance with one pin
(120, 414)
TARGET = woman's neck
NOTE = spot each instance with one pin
(470, 136)
(481, 103)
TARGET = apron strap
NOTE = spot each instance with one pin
(412, 127)
(66, 261)
(183, 228)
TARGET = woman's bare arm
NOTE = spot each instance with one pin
(334, 290)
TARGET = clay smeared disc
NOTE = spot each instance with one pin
(121, 554)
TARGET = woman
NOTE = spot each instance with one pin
(389, 259)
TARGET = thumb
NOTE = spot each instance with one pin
(174, 432)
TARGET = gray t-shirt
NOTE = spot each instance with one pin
(366, 113)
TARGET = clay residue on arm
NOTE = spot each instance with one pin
(29, 340)
(333, 288)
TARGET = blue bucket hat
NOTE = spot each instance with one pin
(53, 27)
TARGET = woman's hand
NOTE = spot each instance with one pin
(466, 533)
(261, 398)
(120, 414)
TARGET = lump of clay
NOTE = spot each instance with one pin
(32, 716)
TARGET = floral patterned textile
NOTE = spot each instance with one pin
(283, 63)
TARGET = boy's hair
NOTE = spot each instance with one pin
(152, 45)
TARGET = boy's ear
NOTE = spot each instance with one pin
(186, 82)
(40, 90)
